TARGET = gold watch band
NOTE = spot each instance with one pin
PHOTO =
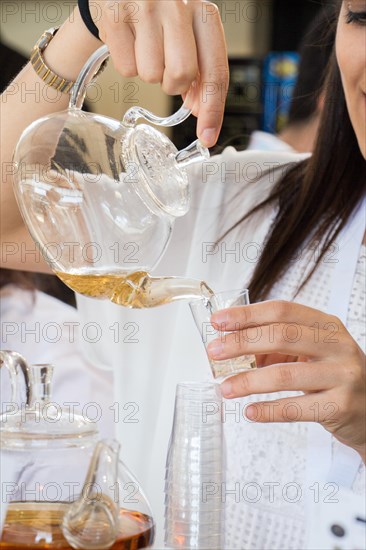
(43, 71)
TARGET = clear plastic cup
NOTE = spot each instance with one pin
(196, 453)
(193, 515)
(195, 476)
(190, 528)
(196, 509)
(194, 542)
(202, 310)
(206, 499)
(193, 479)
(201, 493)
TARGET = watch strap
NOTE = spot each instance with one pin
(41, 68)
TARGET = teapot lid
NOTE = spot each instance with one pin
(40, 422)
(161, 165)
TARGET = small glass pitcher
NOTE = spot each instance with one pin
(100, 197)
(61, 487)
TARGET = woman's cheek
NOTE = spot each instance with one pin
(351, 58)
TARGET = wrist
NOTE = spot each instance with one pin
(71, 47)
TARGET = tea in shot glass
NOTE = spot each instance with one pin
(202, 310)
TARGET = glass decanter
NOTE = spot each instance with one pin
(100, 197)
(61, 487)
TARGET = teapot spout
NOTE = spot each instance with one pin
(171, 289)
(140, 290)
(91, 522)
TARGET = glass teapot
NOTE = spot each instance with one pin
(61, 487)
(100, 197)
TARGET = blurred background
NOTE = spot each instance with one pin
(263, 37)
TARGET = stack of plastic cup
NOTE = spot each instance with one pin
(194, 470)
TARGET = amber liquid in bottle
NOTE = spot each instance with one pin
(135, 290)
(38, 525)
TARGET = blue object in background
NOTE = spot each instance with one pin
(280, 72)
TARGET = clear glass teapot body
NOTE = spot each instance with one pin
(83, 201)
(99, 196)
(61, 486)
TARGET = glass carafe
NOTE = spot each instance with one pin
(100, 197)
(61, 487)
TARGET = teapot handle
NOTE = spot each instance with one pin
(87, 74)
(13, 361)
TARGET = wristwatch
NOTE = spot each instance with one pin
(43, 71)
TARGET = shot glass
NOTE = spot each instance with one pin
(202, 309)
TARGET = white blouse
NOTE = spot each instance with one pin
(166, 349)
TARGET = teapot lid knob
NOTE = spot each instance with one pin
(195, 152)
(39, 421)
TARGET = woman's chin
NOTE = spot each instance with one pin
(362, 145)
(361, 140)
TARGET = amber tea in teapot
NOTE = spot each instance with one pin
(62, 487)
(38, 525)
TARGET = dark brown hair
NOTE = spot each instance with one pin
(317, 196)
(22, 279)
(26, 280)
(315, 50)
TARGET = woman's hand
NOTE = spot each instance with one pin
(327, 365)
(175, 43)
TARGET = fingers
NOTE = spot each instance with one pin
(271, 311)
(306, 408)
(275, 358)
(282, 377)
(181, 63)
(115, 31)
(214, 72)
(176, 43)
(149, 50)
(287, 339)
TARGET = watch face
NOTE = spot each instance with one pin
(45, 38)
